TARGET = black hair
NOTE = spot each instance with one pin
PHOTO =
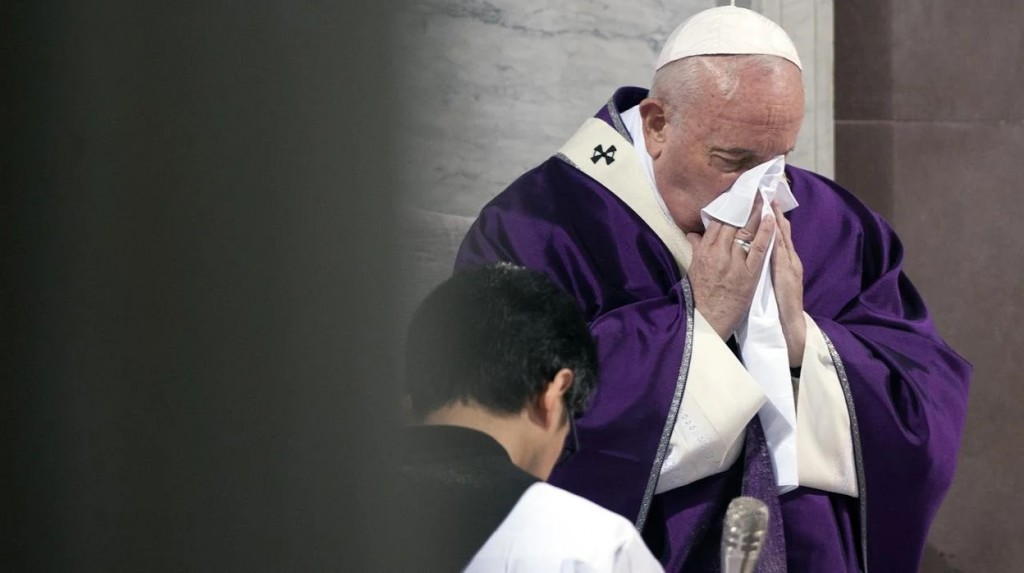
(497, 335)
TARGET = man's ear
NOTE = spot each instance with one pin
(654, 115)
(554, 395)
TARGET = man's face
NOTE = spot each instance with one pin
(716, 138)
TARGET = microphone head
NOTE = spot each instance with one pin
(743, 533)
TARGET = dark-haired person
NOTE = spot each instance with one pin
(498, 364)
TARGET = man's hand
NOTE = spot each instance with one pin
(788, 280)
(723, 275)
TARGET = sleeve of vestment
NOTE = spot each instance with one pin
(824, 441)
(721, 397)
(906, 389)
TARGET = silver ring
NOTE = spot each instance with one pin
(745, 245)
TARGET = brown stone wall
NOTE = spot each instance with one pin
(930, 132)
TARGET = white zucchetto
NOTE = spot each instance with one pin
(727, 30)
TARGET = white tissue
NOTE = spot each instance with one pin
(762, 344)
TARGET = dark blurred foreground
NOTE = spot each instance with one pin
(197, 368)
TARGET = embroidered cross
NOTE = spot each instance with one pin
(600, 153)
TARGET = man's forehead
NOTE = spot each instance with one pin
(771, 116)
(749, 137)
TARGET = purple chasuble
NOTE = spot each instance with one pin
(906, 390)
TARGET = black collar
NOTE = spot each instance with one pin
(442, 443)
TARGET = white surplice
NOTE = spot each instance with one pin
(550, 529)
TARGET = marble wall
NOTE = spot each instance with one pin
(499, 85)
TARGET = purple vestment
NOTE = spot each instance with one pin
(906, 389)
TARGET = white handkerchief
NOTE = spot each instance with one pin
(733, 206)
(760, 337)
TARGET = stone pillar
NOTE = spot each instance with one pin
(929, 131)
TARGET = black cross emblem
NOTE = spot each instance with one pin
(608, 156)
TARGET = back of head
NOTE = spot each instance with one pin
(495, 336)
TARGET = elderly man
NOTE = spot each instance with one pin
(756, 332)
